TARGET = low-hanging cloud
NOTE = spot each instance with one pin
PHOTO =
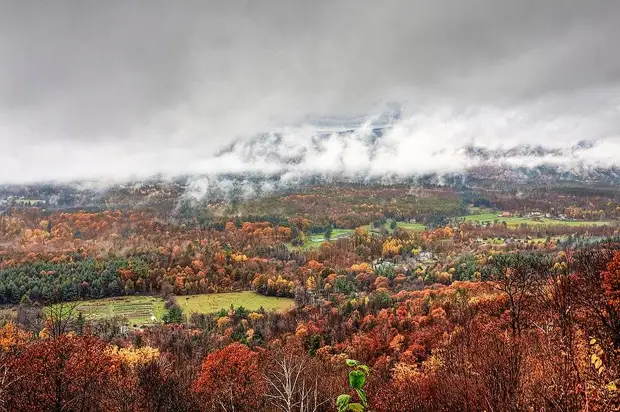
(121, 89)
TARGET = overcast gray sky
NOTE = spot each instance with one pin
(115, 89)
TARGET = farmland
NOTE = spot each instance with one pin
(516, 221)
(136, 309)
(139, 309)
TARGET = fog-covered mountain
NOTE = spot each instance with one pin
(366, 150)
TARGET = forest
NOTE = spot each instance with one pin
(456, 315)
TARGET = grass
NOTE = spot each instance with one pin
(139, 309)
(305, 247)
(314, 241)
(413, 227)
(336, 233)
(8, 314)
(249, 300)
(516, 221)
(501, 241)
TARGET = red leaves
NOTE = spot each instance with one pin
(230, 379)
(68, 373)
(611, 281)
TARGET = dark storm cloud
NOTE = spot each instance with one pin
(114, 88)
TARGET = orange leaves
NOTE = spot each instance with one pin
(315, 266)
(284, 233)
(125, 273)
(230, 379)
(439, 234)
(361, 267)
(381, 283)
(223, 322)
(179, 282)
(36, 236)
(396, 344)
(198, 265)
(12, 337)
(239, 257)
(220, 257)
(438, 314)
(404, 372)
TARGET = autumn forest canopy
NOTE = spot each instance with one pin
(350, 297)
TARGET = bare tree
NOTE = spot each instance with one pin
(519, 278)
(290, 387)
(61, 317)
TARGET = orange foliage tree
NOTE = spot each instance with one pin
(230, 380)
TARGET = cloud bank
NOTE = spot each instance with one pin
(120, 89)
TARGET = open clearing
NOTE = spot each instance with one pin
(336, 233)
(249, 300)
(140, 309)
(314, 241)
(137, 309)
(413, 227)
(516, 221)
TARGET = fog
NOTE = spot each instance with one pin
(119, 90)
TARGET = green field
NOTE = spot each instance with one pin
(413, 227)
(139, 309)
(314, 241)
(249, 300)
(336, 233)
(516, 221)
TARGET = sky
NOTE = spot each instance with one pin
(129, 89)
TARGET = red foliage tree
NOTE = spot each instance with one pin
(230, 380)
(611, 282)
(69, 373)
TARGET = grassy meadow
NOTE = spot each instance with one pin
(413, 227)
(249, 300)
(140, 309)
(516, 221)
(314, 241)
